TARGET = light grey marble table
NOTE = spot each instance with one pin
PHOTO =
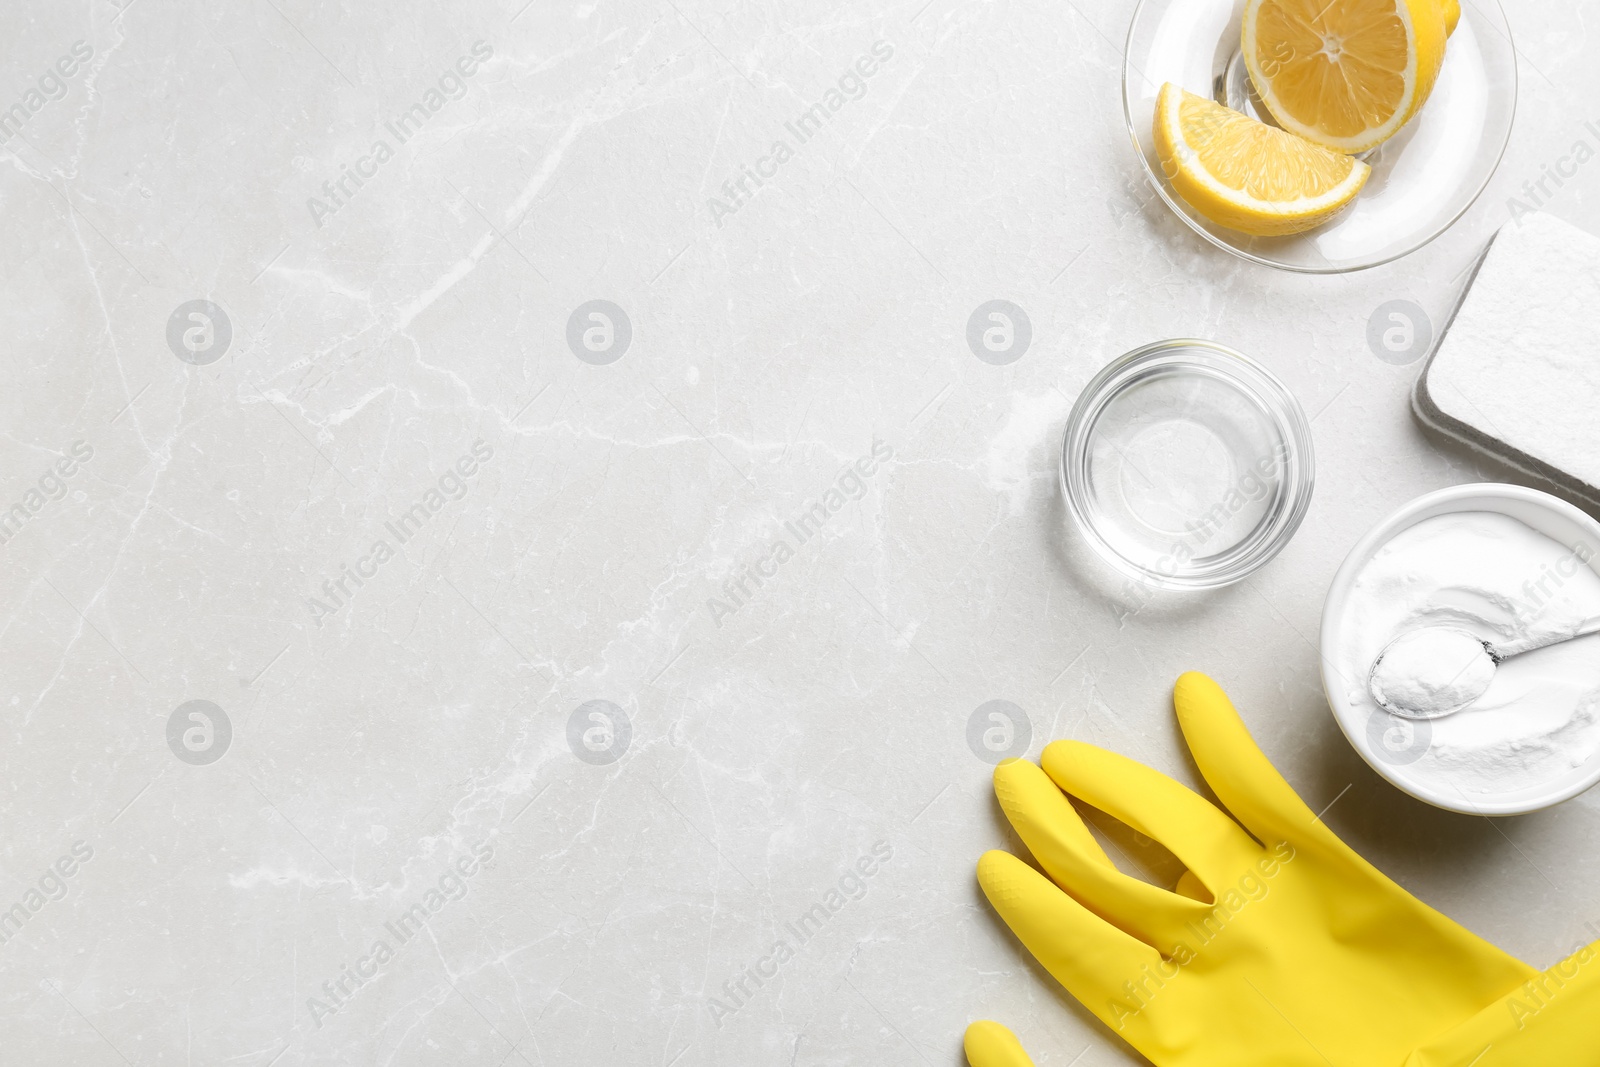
(310, 417)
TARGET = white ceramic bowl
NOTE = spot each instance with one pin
(1374, 739)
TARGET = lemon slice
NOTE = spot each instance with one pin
(1346, 74)
(1244, 174)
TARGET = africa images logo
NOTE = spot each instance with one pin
(450, 487)
(449, 86)
(806, 524)
(51, 86)
(798, 131)
(805, 927)
(399, 931)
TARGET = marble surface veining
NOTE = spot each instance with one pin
(504, 520)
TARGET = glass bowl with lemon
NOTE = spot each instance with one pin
(1320, 136)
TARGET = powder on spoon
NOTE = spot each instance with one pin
(1431, 672)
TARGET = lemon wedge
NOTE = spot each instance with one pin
(1346, 74)
(1246, 175)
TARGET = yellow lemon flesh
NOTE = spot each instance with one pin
(1346, 74)
(1246, 175)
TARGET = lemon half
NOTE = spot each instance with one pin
(1346, 74)
(1246, 175)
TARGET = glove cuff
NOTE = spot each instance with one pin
(1554, 1018)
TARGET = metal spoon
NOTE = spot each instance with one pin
(1435, 671)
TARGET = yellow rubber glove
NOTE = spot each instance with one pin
(1279, 947)
(988, 1044)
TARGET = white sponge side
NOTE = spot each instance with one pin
(1517, 374)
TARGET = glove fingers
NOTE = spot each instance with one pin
(988, 1044)
(1056, 835)
(1091, 958)
(1234, 766)
(1036, 807)
(1207, 841)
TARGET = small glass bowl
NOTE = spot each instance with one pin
(1187, 465)
(1423, 179)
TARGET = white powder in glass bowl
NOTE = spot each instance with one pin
(1499, 579)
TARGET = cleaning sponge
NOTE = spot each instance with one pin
(1517, 375)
